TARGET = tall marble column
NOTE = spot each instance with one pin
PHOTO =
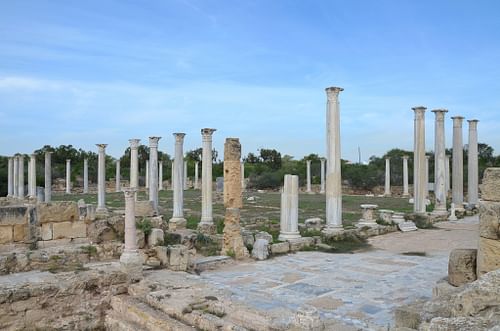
(447, 174)
(172, 172)
(322, 190)
(32, 176)
(48, 176)
(29, 177)
(10, 178)
(333, 165)
(130, 260)
(147, 173)
(387, 186)
(419, 161)
(68, 176)
(426, 187)
(185, 182)
(178, 220)
(21, 177)
(118, 176)
(101, 179)
(16, 176)
(308, 176)
(206, 178)
(153, 172)
(457, 179)
(243, 185)
(134, 163)
(473, 171)
(439, 163)
(406, 193)
(160, 176)
(289, 220)
(196, 175)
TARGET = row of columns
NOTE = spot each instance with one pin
(308, 176)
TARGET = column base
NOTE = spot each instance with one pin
(321, 192)
(387, 195)
(177, 223)
(101, 212)
(284, 236)
(332, 229)
(207, 228)
(131, 264)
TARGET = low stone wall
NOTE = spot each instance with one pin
(14, 221)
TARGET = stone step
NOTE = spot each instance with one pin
(136, 312)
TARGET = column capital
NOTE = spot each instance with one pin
(32, 155)
(129, 192)
(68, 160)
(427, 157)
(387, 158)
(405, 157)
(439, 110)
(153, 142)
(134, 143)
(472, 121)
(419, 109)
(333, 92)
(102, 147)
(440, 114)
(457, 121)
(48, 152)
(207, 132)
(179, 137)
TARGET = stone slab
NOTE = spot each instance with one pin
(489, 220)
(462, 266)
(65, 211)
(488, 256)
(11, 215)
(407, 226)
(280, 248)
(6, 234)
(490, 187)
(20, 232)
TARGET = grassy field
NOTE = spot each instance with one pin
(265, 204)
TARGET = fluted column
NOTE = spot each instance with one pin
(185, 182)
(85, 176)
(387, 186)
(153, 171)
(473, 171)
(405, 177)
(48, 176)
(439, 163)
(101, 178)
(419, 160)
(447, 174)
(21, 191)
(10, 178)
(130, 260)
(147, 173)
(457, 180)
(322, 190)
(68, 176)
(206, 177)
(118, 177)
(134, 163)
(289, 220)
(196, 175)
(308, 176)
(333, 166)
(160, 176)
(177, 219)
(16, 176)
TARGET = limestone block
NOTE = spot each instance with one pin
(490, 187)
(6, 234)
(408, 317)
(264, 235)
(153, 262)
(20, 232)
(144, 209)
(489, 220)
(155, 238)
(162, 254)
(178, 257)
(64, 211)
(308, 318)
(140, 239)
(11, 215)
(232, 174)
(462, 266)
(280, 248)
(157, 222)
(299, 243)
(46, 231)
(260, 249)
(314, 223)
(62, 230)
(488, 256)
(248, 238)
(458, 323)
(78, 230)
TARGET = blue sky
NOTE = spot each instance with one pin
(87, 72)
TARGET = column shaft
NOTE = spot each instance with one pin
(439, 163)
(473, 171)
(134, 163)
(16, 176)
(147, 173)
(419, 161)
(153, 171)
(48, 176)
(10, 178)
(68, 176)
(101, 178)
(206, 176)
(308, 176)
(85, 176)
(21, 177)
(387, 186)
(405, 177)
(458, 164)
(196, 176)
(178, 212)
(322, 190)
(160, 176)
(185, 182)
(289, 220)
(33, 175)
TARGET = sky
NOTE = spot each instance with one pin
(88, 72)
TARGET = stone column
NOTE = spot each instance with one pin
(447, 174)
(153, 172)
(473, 171)
(48, 176)
(333, 170)
(85, 176)
(196, 186)
(419, 161)
(118, 177)
(21, 177)
(178, 220)
(32, 165)
(322, 190)
(206, 223)
(134, 163)
(243, 186)
(185, 182)
(16, 176)
(172, 170)
(289, 220)
(426, 187)
(101, 179)
(308, 176)
(29, 177)
(457, 179)
(160, 176)
(405, 177)
(10, 178)
(147, 173)
(130, 260)
(387, 186)
(439, 163)
(68, 176)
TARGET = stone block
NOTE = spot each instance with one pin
(162, 254)
(264, 235)
(78, 230)
(314, 223)
(248, 238)
(462, 266)
(407, 226)
(407, 317)
(46, 231)
(260, 249)
(62, 230)
(11, 215)
(6, 234)
(488, 256)
(178, 257)
(489, 220)
(490, 187)
(144, 209)
(156, 237)
(20, 232)
(280, 248)
(300, 243)
(64, 211)
(140, 239)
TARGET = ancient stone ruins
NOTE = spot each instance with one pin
(125, 256)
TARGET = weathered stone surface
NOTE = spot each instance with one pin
(233, 241)
(280, 248)
(156, 237)
(489, 220)
(6, 234)
(300, 243)
(10, 215)
(408, 316)
(488, 256)
(178, 257)
(264, 235)
(490, 188)
(260, 249)
(248, 237)
(20, 232)
(46, 231)
(64, 211)
(63, 230)
(462, 266)
(308, 318)
(140, 239)
(314, 223)
(162, 254)
(232, 174)
(457, 324)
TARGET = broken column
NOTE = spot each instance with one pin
(85, 176)
(48, 176)
(472, 170)
(101, 179)
(368, 218)
(68, 176)
(160, 175)
(117, 177)
(16, 176)
(10, 178)
(333, 165)
(308, 176)
(419, 161)
(20, 183)
(289, 220)
(243, 186)
(32, 174)
(457, 181)
(153, 172)
(130, 260)
(206, 224)
(387, 186)
(178, 221)
(322, 176)
(233, 241)
(405, 177)
(439, 163)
